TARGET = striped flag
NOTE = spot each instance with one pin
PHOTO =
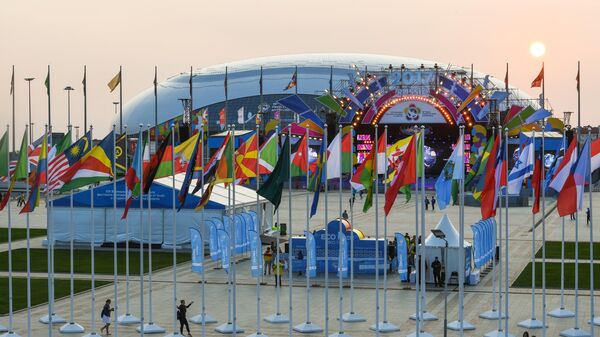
(34, 194)
(60, 164)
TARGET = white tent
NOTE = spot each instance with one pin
(435, 247)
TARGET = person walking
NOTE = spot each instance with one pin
(105, 316)
(433, 203)
(278, 270)
(345, 215)
(300, 257)
(268, 258)
(426, 201)
(436, 265)
(181, 316)
(587, 214)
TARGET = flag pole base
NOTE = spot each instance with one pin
(352, 317)
(596, 321)
(498, 333)
(425, 316)
(91, 334)
(128, 319)
(151, 328)
(340, 334)
(227, 328)
(71, 327)
(10, 334)
(307, 327)
(208, 319)
(421, 334)
(575, 332)
(561, 313)
(3, 328)
(55, 319)
(455, 326)
(384, 327)
(277, 319)
(174, 334)
(531, 324)
(493, 314)
(257, 334)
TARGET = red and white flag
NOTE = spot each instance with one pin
(562, 180)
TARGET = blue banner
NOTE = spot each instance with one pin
(225, 249)
(402, 256)
(256, 263)
(476, 245)
(197, 250)
(240, 234)
(213, 240)
(343, 256)
(311, 255)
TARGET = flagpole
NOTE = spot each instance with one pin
(290, 235)
(48, 319)
(506, 235)
(592, 321)
(543, 190)
(84, 97)
(121, 100)
(236, 329)
(12, 85)
(425, 316)
(174, 231)
(377, 332)
(141, 327)
(28, 254)
(10, 288)
(317, 187)
(417, 315)
(49, 110)
(115, 261)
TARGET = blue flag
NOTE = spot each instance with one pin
(197, 250)
(402, 256)
(225, 249)
(453, 170)
(311, 255)
(343, 255)
(213, 240)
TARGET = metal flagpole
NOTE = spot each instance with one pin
(11, 332)
(506, 236)
(543, 190)
(28, 257)
(141, 328)
(236, 328)
(121, 99)
(47, 319)
(317, 186)
(377, 332)
(92, 248)
(425, 316)
(115, 262)
(592, 321)
(12, 86)
(290, 250)
(174, 232)
(352, 316)
(417, 315)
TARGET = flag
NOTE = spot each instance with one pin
(365, 174)
(580, 178)
(406, 174)
(315, 184)
(197, 250)
(489, 191)
(311, 254)
(474, 93)
(223, 172)
(271, 126)
(332, 104)
(246, 158)
(537, 82)
(12, 82)
(33, 199)
(210, 167)
(84, 82)
(20, 172)
(272, 188)
(120, 159)
(519, 120)
(47, 82)
(94, 167)
(299, 160)
(339, 155)
(194, 168)
(4, 171)
(563, 170)
(150, 171)
(343, 255)
(35, 148)
(268, 155)
(382, 154)
(453, 170)
(506, 78)
(477, 170)
(512, 113)
(523, 167)
(112, 84)
(222, 118)
(536, 184)
(60, 164)
(241, 117)
(225, 248)
(293, 81)
(595, 159)
(576, 78)
(133, 176)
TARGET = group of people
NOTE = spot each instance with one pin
(428, 202)
(271, 266)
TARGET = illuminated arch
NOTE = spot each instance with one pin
(399, 99)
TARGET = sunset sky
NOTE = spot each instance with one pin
(173, 35)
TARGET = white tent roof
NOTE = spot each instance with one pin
(243, 196)
(451, 235)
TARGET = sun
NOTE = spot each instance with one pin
(537, 49)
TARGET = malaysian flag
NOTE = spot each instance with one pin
(61, 163)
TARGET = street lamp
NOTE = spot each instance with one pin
(438, 233)
(29, 79)
(68, 89)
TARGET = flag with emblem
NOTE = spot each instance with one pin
(133, 176)
(120, 159)
(299, 159)
(61, 163)
(246, 158)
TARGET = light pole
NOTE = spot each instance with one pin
(68, 89)
(76, 131)
(29, 79)
(116, 110)
(441, 235)
(187, 114)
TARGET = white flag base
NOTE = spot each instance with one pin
(384, 327)
(91, 334)
(128, 319)
(531, 324)
(257, 334)
(71, 327)
(492, 315)
(277, 319)
(208, 319)
(561, 313)
(340, 334)
(3, 328)
(498, 333)
(455, 326)
(425, 316)
(174, 334)
(9, 334)
(307, 327)
(227, 328)
(352, 317)
(596, 321)
(421, 334)
(55, 319)
(151, 328)
(573, 332)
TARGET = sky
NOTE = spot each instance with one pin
(177, 34)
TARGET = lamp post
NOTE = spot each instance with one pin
(29, 79)
(68, 89)
(441, 235)
(76, 131)
(187, 114)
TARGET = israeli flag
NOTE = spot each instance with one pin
(523, 167)
(197, 251)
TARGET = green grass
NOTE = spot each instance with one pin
(553, 276)
(39, 291)
(20, 234)
(553, 250)
(82, 258)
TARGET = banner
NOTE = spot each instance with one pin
(401, 254)
(197, 250)
(225, 249)
(343, 256)
(311, 255)
(255, 255)
(213, 241)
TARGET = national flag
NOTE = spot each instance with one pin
(506, 78)
(489, 194)
(595, 159)
(194, 169)
(4, 161)
(365, 174)
(523, 167)
(512, 112)
(570, 198)
(382, 154)
(293, 81)
(473, 180)
(271, 127)
(536, 184)
(211, 166)
(453, 170)
(563, 171)
(299, 160)
(112, 84)
(12, 82)
(537, 82)
(223, 172)
(246, 158)
(20, 172)
(576, 78)
(120, 160)
(405, 174)
(94, 167)
(339, 157)
(47, 82)
(61, 163)
(150, 171)
(33, 199)
(268, 154)
(240, 118)
(84, 81)
(35, 148)
(317, 178)
(272, 188)
(133, 176)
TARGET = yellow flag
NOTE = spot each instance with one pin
(114, 82)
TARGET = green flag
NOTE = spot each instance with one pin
(4, 155)
(21, 168)
(64, 144)
(272, 188)
(267, 156)
(520, 119)
(332, 104)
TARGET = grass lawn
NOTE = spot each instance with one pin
(39, 291)
(553, 276)
(103, 261)
(553, 249)
(20, 233)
